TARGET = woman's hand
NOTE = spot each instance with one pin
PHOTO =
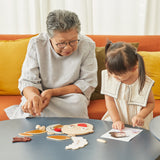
(118, 125)
(33, 105)
(137, 121)
(36, 102)
(46, 96)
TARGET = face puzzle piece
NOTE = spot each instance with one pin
(36, 131)
(58, 137)
(54, 128)
(78, 142)
(25, 134)
(21, 139)
(77, 129)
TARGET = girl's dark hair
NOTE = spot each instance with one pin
(121, 57)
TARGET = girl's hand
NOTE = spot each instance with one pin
(118, 125)
(137, 121)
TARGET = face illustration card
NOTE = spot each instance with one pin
(125, 134)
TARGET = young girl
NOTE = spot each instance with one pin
(127, 89)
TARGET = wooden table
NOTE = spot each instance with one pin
(143, 147)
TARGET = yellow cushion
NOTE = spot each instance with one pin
(152, 65)
(12, 54)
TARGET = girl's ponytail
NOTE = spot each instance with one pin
(142, 72)
(109, 43)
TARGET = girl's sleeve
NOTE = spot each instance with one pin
(109, 86)
(140, 99)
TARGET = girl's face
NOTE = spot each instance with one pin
(65, 43)
(122, 77)
(128, 77)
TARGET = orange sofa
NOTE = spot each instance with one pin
(97, 107)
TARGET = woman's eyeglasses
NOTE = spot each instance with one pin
(71, 43)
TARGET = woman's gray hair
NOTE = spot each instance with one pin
(62, 21)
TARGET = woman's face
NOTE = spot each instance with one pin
(65, 43)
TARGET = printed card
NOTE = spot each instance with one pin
(124, 135)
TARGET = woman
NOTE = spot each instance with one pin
(59, 72)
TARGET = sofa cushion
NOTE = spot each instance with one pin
(97, 109)
(12, 54)
(152, 65)
(100, 55)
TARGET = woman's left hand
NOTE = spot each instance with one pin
(46, 96)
